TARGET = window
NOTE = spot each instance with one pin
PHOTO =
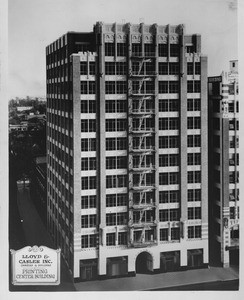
(83, 68)
(163, 50)
(166, 160)
(88, 125)
(113, 219)
(168, 142)
(193, 86)
(168, 178)
(109, 68)
(116, 144)
(116, 181)
(164, 236)
(84, 163)
(109, 49)
(194, 195)
(88, 221)
(194, 213)
(198, 68)
(121, 143)
(163, 68)
(136, 49)
(121, 199)
(193, 105)
(92, 68)
(121, 68)
(193, 123)
(121, 87)
(173, 87)
(111, 200)
(92, 105)
(173, 68)
(110, 125)
(163, 87)
(175, 234)
(231, 107)
(121, 49)
(110, 106)
(88, 183)
(88, 144)
(194, 176)
(149, 67)
(193, 141)
(232, 212)
(88, 241)
(168, 123)
(163, 215)
(114, 162)
(168, 196)
(194, 159)
(83, 87)
(122, 238)
(88, 201)
(88, 106)
(190, 68)
(149, 49)
(121, 218)
(121, 124)
(92, 87)
(110, 239)
(174, 50)
(110, 87)
(197, 86)
(194, 232)
(169, 215)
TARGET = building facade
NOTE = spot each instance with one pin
(224, 164)
(127, 150)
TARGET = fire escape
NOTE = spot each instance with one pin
(141, 141)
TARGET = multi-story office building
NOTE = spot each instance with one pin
(224, 164)
(127, 149)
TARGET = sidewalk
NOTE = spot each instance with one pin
(36, 234)
(143, 282)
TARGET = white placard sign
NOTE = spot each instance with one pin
(35, 266)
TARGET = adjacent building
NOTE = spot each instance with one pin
(224, 165)
(127, 150)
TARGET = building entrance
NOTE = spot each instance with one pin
(144, 263)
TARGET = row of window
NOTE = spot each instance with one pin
(88, 201)
(165, 215)
(174, 196)
(118, 218)
(173, 177)
(90, 241)
(121, 143)
(147, 87)
(86, 68)
(149, 49)
(144, 124)
(166, 160)
(88, 163)
(115, 200)
(116, 162)
(116, 106)
(120, 106)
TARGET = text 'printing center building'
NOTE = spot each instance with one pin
(127, 149)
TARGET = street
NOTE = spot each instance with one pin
(36, 234)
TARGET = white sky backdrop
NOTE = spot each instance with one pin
(33, 24)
